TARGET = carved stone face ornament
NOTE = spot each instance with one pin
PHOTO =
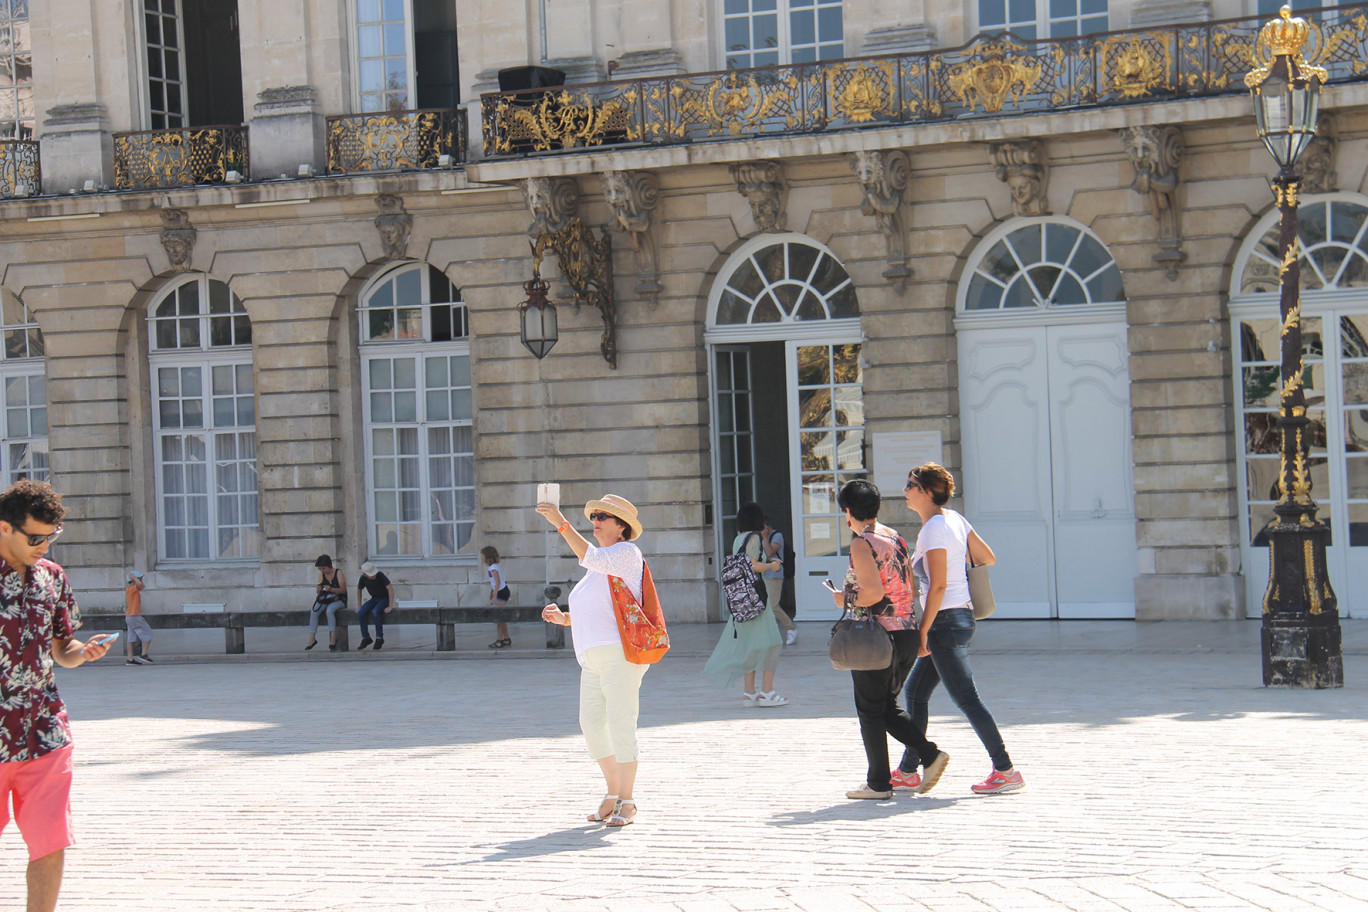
(394, 225)
(1025, 169)
(762, 184)
(178, 238)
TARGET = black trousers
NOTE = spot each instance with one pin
(876, 705)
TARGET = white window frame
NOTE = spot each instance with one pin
(785, 48)
(21, 367)
(145, 76)
(18, 95)
(1048, 311)
(204, 358)
(354, 45)
(1044, 23)
(421, 350)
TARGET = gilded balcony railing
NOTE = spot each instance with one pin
(992, 75)
(395, 140)
(161, 159)
(20, 174)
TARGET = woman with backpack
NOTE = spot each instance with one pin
(750, 642)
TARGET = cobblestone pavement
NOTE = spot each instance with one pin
(1160, 776)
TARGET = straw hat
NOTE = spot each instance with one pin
(369, 569)
(620, 507)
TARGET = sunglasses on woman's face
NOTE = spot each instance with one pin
(601, 517)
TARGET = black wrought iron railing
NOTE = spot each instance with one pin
(396, 140)
(20, 174)
(992, 75)
(161, 159)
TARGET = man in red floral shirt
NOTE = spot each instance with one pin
(38, 621)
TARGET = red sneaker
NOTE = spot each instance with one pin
(999, 782)
(901, 780)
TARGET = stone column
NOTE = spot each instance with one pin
(647, 41)
(286, 126)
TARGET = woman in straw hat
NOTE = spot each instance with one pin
(609, 684)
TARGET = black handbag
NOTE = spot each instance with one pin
(860, 644)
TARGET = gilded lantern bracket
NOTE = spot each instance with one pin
(586, 262)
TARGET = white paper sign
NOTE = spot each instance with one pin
(899, 452)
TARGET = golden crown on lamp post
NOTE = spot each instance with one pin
(1285, 87)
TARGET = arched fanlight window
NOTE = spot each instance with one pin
(1041, 264)
(420, 445)
(23, 391)
(791, 280)
(1334, 253)
(204, 418)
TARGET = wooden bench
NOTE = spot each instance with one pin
(235, 623)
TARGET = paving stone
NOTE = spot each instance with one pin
(419, 781)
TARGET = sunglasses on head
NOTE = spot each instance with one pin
(36, 540)
(601, 517)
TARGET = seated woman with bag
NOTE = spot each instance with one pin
(330, 598)
(877, 586)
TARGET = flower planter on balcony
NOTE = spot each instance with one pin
(20, 174)
(395, 140)
(162, 159)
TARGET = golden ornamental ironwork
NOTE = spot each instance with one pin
(987, 77)
(560, 120)
(161, 159)
(20, 168)
(1135, 65)
(394, 140)
(995, 76)
(586, 262)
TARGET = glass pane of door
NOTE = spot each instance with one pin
(735, 436)
(827, 405)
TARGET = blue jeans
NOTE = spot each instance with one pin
(949, 662)
(374, 607)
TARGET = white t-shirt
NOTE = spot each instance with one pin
(593, 622)
(949, 531)
(496, 580)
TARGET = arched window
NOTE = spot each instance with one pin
(420, 447)
(25, 453)
(1041, 264)
(1331, 238)
(786, 281)
(204, 418)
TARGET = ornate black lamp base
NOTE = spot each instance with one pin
(1302, 652)
(1301, 630)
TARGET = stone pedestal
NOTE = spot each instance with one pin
(646, 64)
(1168, 12)
(76, 146)
(898, 39)
(285, 132)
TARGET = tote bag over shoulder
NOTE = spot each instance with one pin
(640, 624)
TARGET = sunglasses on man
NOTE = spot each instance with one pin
(36, 540)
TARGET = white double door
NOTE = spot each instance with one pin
(1045, 416)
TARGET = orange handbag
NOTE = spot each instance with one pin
(640, 624)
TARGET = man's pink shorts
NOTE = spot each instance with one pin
(41, 790)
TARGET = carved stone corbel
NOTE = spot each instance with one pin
(883, 177)
(633, 196)
(553, 202)
(1317, 163)
(762, 184)
(1155, 153)
(1025, 169)
(178, 238)
(394, 224)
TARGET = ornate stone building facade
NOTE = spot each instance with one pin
(261, 262)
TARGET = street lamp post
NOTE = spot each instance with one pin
(1301, 632)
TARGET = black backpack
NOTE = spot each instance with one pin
(744, 591)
